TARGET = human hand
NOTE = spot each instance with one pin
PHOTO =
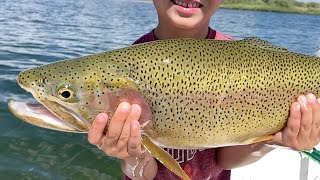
(123, 137)
(303, 127)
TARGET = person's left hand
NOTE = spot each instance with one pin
(303, 127)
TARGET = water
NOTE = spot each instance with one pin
(36, 32)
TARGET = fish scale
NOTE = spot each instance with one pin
(221, 97)
(194, 93)
(202, 93)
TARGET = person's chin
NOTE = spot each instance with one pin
(186, 23)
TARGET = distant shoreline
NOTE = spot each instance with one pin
(272, 8)
(283, 6)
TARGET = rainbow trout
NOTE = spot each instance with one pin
(193, 93)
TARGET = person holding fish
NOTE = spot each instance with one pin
(190, 19)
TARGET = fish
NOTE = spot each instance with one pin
(194, 93)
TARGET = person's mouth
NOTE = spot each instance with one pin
(187, 4)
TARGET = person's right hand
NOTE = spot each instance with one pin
(123, 137)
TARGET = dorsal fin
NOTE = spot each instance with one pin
(255, 41)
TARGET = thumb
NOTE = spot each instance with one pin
(277, 139)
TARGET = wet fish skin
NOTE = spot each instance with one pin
(201, 93)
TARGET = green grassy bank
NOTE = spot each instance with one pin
(290, 6)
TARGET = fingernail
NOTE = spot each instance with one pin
(318, 100)
(297, 106)
(303, 100)
(311, 98)
(125, 106)
(136, 107)
(134, 125)
(102, 116)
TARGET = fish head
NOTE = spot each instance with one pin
(71, 93)
(61, 90)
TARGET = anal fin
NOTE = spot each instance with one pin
(162, 156)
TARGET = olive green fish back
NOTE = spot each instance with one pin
(213, 93)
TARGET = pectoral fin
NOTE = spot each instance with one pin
(162, 156)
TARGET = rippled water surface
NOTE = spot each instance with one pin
(36, 32)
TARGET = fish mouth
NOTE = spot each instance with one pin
(37, 114)
(190, 4)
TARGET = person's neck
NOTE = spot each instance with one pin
(169, 32)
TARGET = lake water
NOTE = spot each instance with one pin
(36, 32)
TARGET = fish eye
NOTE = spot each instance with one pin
(66, 92)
